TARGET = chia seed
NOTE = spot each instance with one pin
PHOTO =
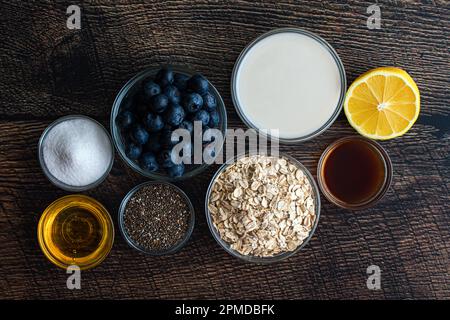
(157, 217)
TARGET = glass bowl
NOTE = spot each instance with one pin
(48, 238)
(234, 81)
(127, 93)
(388, 172)
(130, 242)
(255, 259)
(52, 178)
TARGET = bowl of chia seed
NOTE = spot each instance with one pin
(156, 218)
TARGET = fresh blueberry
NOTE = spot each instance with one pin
(192, 102)
(203, 116)
(151, 89)
(214, 119)
(186, 124)
(133, 151)
(125, 119)
(154, 122)
(180, 81)
(139, 135)
(198, 83)
(148, 162)
(164, 77)
(159, 103)
(209, 102)
(165, 158)
(153, 144)
(176, 170)
(173, 94)
(174, 115)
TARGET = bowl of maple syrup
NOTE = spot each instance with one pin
(354, 172)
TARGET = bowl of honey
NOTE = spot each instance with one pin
(76, 230)
(354, 172)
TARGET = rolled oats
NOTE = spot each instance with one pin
(262, 206)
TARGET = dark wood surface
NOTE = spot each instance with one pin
(48, 71)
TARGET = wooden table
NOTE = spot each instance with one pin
(48, 71)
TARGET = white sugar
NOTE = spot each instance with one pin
(77, 152)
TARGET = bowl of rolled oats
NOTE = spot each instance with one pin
(262, 208)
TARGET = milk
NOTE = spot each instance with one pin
(288, 81)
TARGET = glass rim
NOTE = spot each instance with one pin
(255, 259)
(336, 58)
(388, 174)
(47, 172)
(108, 242)
(128, 239)
(117, 136)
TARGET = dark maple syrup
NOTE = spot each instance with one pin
(353, 171)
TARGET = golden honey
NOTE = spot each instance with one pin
(76, 230)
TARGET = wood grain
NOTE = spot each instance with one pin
(49, 71)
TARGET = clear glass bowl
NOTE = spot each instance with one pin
(388, 172)
(46, 232)
(127, 92)
(52, 178)
(255, 259)
(130, 242)
(327, 46)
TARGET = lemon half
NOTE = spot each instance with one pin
(382, 103)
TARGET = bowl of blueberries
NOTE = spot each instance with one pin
(151, 106)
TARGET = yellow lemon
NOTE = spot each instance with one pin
(383, 103)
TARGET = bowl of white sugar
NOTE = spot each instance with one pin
(289, 84)
(76, 153)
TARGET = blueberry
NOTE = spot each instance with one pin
(154, 122)
(180, 81)
(214, 119)
(148, 162)
(176, 170)
(186, 124)
(166, 138)
(173, 94)
(165, 158)
(133, 151)
(153, 144)
(174, 115)
(139, 135)
(151, 89)
(159, 103)
(125, 119)
(164, 77)
(202, 116)
(209, 102)
(198, 83)
(192, 102)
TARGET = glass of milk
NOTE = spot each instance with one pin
(289, 80)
